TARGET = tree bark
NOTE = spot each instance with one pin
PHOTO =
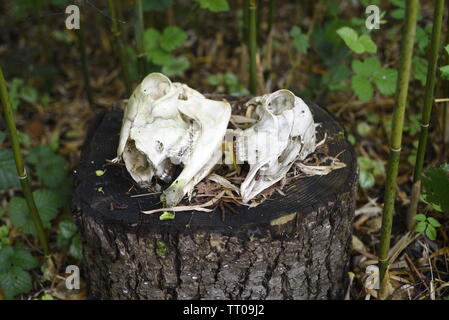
(295, 246)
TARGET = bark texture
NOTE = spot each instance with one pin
(294, 247)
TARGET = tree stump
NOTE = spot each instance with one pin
(295, 246)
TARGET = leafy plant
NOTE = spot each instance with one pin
(19, 91)
(370, 71)
(68, 237)
(445, 69)
(300, 40)
(369, 169)
(159, 47)
(227, 83)
(427, 225)
(436, 188)
(4, 239)
(8, 174)
(357, 43)
(50, 167)
(48, 202)
(14, 277)
(156, 5)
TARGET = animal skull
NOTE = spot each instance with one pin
(284, 133)
(166, 124)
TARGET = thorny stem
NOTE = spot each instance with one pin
(21, 172)
(426, 111)
(120, 46)
(396, 141)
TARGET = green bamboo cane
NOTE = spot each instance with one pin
(21, 171)
(245, 25)
(139, 30)
(445, 88)
(252, 46)
(86, 77)
(119, 44)
(396, 140)
(271, 9)
(426, 111)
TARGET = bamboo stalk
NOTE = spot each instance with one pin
(119, 44)
(252, 46)
(86, 77)
(446, 92)
(139, 31)
(426, 111)
(21, 171)
(271, 9)
(245, 25)
(396, 141)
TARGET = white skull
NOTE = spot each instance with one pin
(166, 124)
(284, 133)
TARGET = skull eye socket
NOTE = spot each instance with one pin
(159, 146)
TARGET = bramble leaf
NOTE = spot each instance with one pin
(362, 87)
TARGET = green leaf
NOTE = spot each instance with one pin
(47, 297)
(23, 259)
(18, 212)
(176, 67)
(214, 5)
(434, 222)
(386, 80)
(172, 38)
(431, 232)
(447, 48)
(366, 179)
(398, 14)
(15, 281)
(167, 215)
(67, 228)
(363, 129)
(435, 189)
(368, 44)
(156, 5)
(420, 69)
(47, 203)
(369, 67)
(300, 40)
(8, 173)
(2, 137)
(75, 249)
(161, 57)
(28, 94)
(362, 87)
(445, 72)
(351, 38)
(151, 39)
(420, 217)
(215, 79)
(421, 226)
(5, 258)
(50, 167)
